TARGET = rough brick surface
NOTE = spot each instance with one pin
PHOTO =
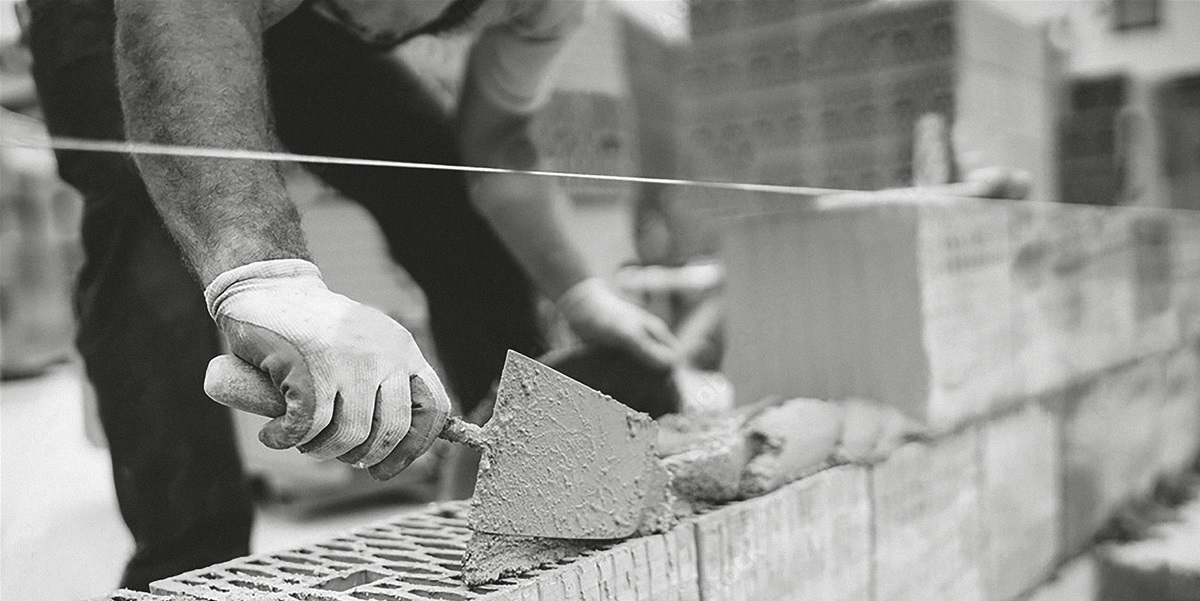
(1021, 500)
(776, 546)
(927, 526)
(1185, 271)
(1073, 283)
(1179, 438)
(1111, 445)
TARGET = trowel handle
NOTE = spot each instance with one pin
(463, 432)
(237, 384)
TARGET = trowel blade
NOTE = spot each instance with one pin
(562, 460)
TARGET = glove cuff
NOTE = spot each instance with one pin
(252, 274)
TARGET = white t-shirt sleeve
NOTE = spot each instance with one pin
(513, 61)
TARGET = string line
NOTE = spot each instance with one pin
(147, 148)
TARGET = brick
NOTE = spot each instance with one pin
(877, 297)
(1074, 281)
(927, 522)
(1179, 436)
(1020, 498)
(682, 567)
(807, 540)
(1185, 270)
(1157, 325)
(991, 74)
(1111, 446)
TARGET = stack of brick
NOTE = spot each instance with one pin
(827, 93)
(1062, 334)
(909, 528)
(970, 516)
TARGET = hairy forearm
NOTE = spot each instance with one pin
(191, 74)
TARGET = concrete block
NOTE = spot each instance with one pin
(1111, 446)
(1179, 435)
(888, 296)
(1185, 270)
(1020, 499)
(1073, 293)
(883, 50)
(927, 522)
(1157, 324)
(807, 540)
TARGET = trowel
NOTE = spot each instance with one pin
(560, 460)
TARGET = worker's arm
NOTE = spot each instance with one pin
(529, 212)
(192, 74)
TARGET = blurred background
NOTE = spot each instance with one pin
(1098, 100)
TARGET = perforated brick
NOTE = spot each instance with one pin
(417, 556)
(413, 556)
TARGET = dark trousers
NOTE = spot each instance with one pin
(144, 332)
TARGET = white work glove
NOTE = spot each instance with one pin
(355, 384)
(598, 316)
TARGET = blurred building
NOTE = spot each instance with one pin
(1131, 133)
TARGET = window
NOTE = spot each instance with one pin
(1135, 14)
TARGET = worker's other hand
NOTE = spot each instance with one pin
(356, 386)
(598, 316)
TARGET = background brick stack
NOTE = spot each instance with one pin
(827, 93)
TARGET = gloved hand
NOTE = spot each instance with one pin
(356, 385)
(597, 315)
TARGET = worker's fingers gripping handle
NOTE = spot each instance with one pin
(239, 385)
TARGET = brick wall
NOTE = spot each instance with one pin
(984, 509)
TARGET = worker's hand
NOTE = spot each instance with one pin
(355, 384)
(598, 316)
